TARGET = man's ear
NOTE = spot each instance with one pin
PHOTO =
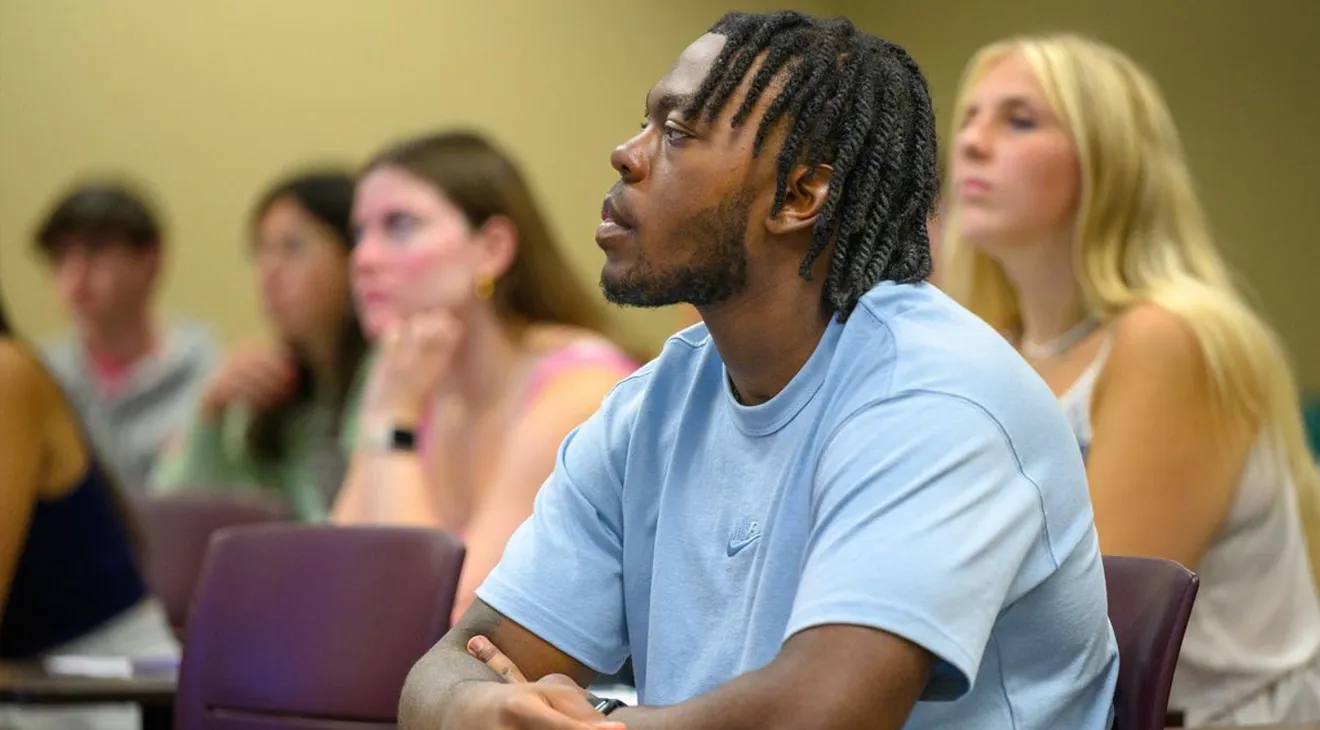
(805, 192)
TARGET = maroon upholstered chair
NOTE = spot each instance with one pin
(310, 627)
(1150, 601)
(178, 528)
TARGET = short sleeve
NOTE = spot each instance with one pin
(922, 519)
(561, 576)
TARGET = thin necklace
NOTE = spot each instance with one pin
(1061, 344)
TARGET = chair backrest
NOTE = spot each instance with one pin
(1150, 601)
(300, 626)
(178, 528)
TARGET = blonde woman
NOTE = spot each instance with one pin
(1074, 229)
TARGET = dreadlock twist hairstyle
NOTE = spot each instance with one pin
(857, 103)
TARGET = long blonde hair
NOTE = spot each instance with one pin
(1141, 236)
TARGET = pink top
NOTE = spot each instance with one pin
(582, 353)
(586, 352)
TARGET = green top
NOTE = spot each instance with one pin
(215, 456)
(1311, 418)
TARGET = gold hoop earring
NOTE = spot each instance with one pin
(485, 287)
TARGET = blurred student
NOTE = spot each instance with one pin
(489, 350)
(1075, 230)
(69, 579)
(269, 417)
(133, 378)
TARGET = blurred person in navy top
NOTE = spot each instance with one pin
(69, 580)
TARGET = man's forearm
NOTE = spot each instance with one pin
(435, 686)
(791, 694)
(438, 687)
(754, 701)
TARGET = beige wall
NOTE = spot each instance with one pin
(207, 102)
(1240, 78)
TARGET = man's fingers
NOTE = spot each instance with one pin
(484, 650)
(537, 714)
(565, 696)
(560, 680)
(562, 705)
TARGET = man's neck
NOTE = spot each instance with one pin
(123, 343)
(765, 337)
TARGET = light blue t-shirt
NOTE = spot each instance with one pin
(915, 476)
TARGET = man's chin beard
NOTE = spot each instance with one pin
(648, 288)
(714, 273)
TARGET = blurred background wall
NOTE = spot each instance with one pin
(205, 103)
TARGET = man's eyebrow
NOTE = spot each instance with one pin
(667, 102)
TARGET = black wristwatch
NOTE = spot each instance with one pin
(604, 706)
(391, 438)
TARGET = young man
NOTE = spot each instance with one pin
(132, 382)
(842, 502)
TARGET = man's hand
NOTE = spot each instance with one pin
(553, 703)
(483, 650)
(554, 699)
(452, 688)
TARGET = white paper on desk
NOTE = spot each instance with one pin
(86, 665)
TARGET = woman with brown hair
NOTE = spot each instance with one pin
(489, 351)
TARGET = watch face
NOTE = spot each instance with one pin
(391, 438)
(403, 439)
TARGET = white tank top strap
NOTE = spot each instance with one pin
(1255, 628)
(1076, 400)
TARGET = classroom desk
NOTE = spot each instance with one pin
(30, 684)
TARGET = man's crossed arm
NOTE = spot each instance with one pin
(833, 677)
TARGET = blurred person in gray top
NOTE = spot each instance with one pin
(133, 377)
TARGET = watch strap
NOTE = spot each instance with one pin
(604, 705)
(393, 438)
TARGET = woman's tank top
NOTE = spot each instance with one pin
(586, 352)
(75, 572)
(1256, 619)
